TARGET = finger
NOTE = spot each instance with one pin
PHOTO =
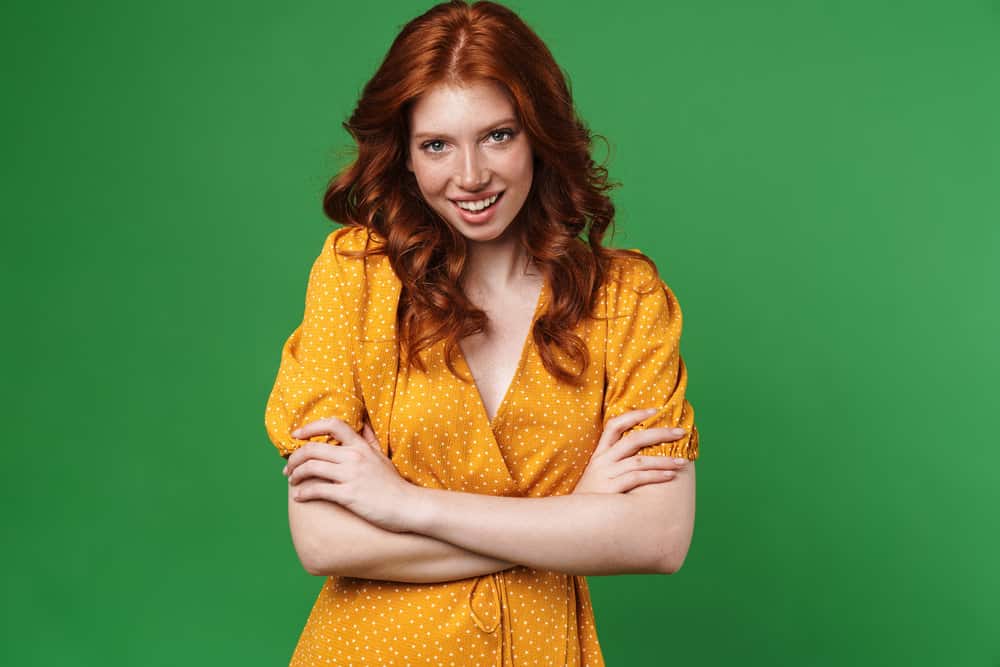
(631, 480)
(316, 468)
(636, 440)
(312, 450)
(369, 435)
(615, 426)
(336, 428)
(640, 463)
(315, 490)
(319, 427)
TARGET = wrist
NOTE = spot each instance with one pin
(420, 508)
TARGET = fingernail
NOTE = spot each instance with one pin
(679, 431)
(650, 411)
(296, 433)
(284, 471)
(680, 462)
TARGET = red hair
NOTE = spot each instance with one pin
(455, 43)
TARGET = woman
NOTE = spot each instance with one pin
(507, 398)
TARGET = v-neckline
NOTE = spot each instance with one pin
(521, 362)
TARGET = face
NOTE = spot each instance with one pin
(471, 160)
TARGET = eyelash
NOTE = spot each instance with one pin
(509, 132)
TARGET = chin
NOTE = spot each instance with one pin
(488, 232)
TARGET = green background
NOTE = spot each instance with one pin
(817, 182)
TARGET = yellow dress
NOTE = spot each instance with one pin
(342, 361)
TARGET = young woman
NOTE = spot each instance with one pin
(506, 395)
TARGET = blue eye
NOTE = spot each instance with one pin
(436, 146)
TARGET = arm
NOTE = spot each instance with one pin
(315, 380)
(331, 540)
(675, 502)
(643, 535)
(641, 532)
(648, 529)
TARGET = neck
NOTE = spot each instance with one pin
(497, 265)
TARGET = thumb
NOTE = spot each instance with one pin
(369, 435)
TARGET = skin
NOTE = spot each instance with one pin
(465, 142)
(621, 518)
(587, 532)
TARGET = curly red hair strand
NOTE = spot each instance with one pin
(561, 224)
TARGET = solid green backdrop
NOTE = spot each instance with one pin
(817, 182)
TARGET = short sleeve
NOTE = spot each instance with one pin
(315, 378)
(643, 361)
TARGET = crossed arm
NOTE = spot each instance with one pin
(646, 530)
(460, 535)
(332, 540)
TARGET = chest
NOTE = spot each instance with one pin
(493, 357)
(515, 430)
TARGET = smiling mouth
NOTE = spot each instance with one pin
(499, 196)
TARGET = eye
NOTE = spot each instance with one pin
(437, 146)
(502, 136)
(436, 142)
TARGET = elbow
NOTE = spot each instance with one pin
(671, 563)
(315, 554)
(311, 561)
(324, 561)
(673, 552)
(318, 537)
(313, 566)
(323, 567)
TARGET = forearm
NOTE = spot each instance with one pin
(331, 540)
(582, 534)
(420, 559)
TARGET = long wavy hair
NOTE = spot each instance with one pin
(560, 225)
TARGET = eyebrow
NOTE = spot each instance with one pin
(443, 135)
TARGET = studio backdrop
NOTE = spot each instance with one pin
(817, 182)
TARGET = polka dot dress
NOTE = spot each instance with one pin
(342, 361)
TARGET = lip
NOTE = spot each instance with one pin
(485, 195)
(479, 216)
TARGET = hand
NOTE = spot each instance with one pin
(614, 469)
(355, 474)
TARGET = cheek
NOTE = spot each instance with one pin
(518, 166)
(431, 178)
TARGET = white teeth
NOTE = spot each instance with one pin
(477, 205)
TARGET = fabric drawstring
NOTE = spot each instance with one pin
(498, 587)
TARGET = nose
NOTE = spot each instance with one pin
(474, 172)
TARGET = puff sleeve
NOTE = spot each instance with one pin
(316, 378)
(644, 368)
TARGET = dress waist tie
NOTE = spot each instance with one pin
(498, 588)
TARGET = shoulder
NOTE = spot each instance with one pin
(631, 276)
(633, 281)
(366, 288)
(339, 260)
(631, 269)
(350, 238)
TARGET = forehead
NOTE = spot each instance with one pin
(457, 108)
